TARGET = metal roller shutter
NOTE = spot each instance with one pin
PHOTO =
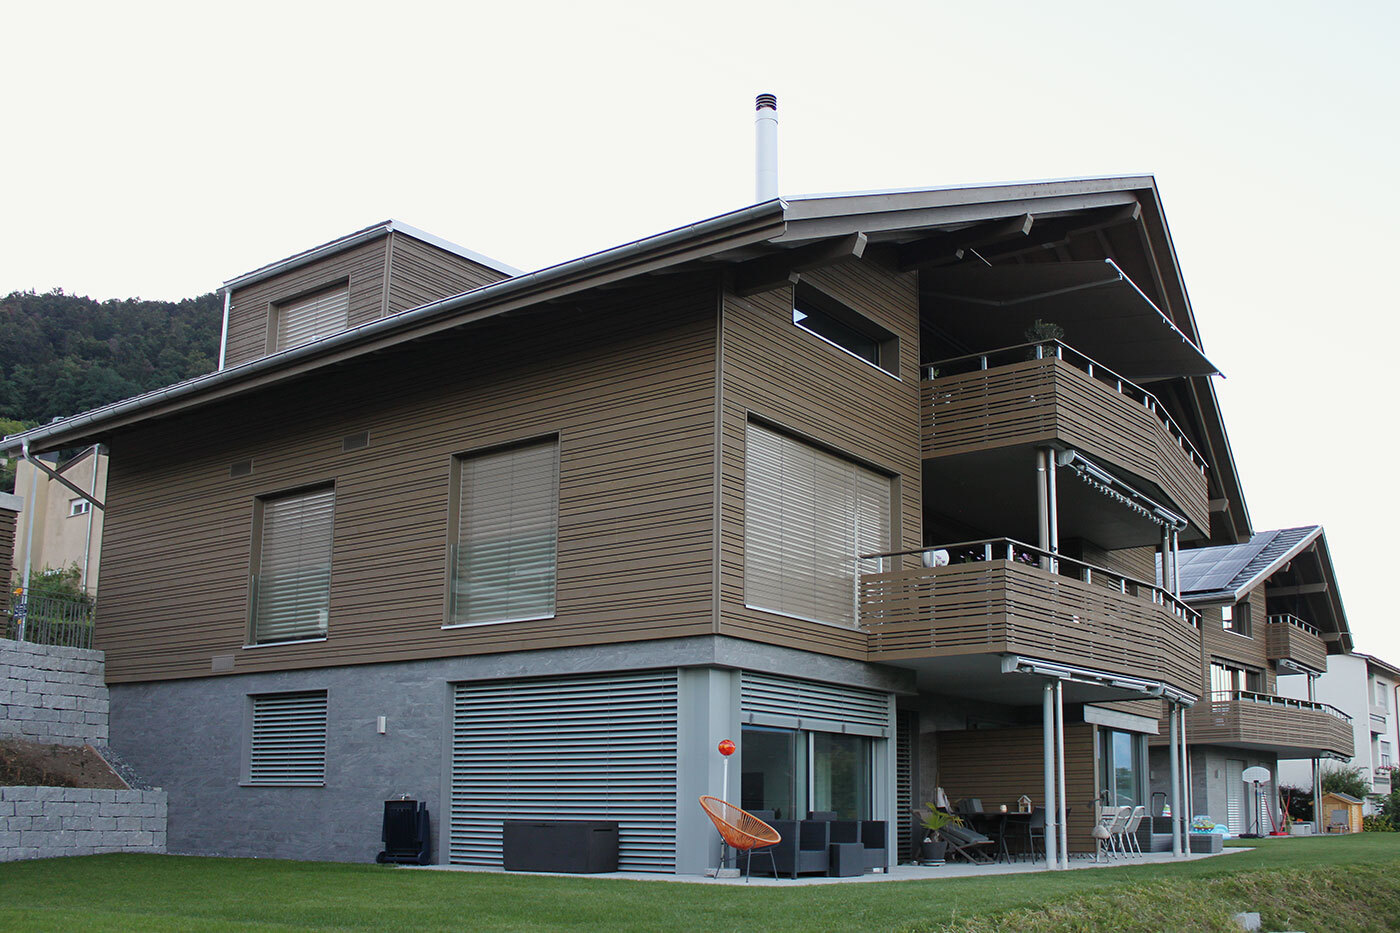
(311, 318)
(577, 748)
(288, 745)
(787, 703)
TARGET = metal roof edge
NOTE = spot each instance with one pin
(1293, 551)
(583, 266)
(1129, 182)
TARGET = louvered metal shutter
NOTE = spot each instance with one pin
(308, 319)
(288, 745)
(788, 703)
(576, 748)
(1235, 814)
(807, 515)
(292, 586)
(507, 533)
(906, 733)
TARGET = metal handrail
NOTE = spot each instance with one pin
(1269, 699)
(1015, 551)
(1285, 618)
(1095, 370)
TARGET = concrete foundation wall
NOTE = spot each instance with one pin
(189, 737)
(1208, 772)
(52, 695)
(46, 822)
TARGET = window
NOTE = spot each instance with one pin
(1122, 766)
(1236, 619)
(506, 528)
(1228, 679)
(808, 515)
(793, 771)
(1383, 695)
(292, 571)
(848, 329)
(1385, 754)
(78, 506)
(287, 747)
(303, 320)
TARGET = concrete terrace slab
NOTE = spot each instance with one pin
(899, 873)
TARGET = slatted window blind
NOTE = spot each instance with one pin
(807, 515)
(288, 746)
(507, 533)
(292, 584)
(574, 748)
(312, 318)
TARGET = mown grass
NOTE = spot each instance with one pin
(1346, 885)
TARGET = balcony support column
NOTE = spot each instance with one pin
(1047, 716)
(1175, 584)
(1317, 795)
(1047, 504)
(1061, 820)
(1168, 571)
(1176, 782)
(1187, 813)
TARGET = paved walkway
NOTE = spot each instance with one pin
(899, 873)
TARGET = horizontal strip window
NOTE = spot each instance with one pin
(288, 743)
(834, 322)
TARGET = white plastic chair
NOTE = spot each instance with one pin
(1103, 833)
(1131, 830)
(1115, 830)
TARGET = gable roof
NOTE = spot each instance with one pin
(773, 239)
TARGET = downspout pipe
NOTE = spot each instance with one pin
(92, 490)
(29, 508)
(223, 333)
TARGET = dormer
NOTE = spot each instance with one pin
(358, 278)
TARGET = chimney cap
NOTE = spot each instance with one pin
(766, 100)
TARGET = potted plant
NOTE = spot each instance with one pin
(933, 849)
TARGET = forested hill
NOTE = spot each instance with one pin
(63, 354)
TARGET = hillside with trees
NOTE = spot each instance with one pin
(62, 354)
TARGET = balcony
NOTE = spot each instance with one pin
(978, 405)
(1286, 727)
(1291, 642)
(1001, 597)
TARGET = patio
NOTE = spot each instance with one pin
(898, 873)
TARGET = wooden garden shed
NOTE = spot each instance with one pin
(1341, 813)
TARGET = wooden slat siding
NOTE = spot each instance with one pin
(1039, 401)
(1149, 709)
(999, 765)
(1005, 607)
(1139, 562)
(1285, 640)
(1249, 651)
(248, 313)
(7, 544)
(629, 390)
(1237, 722)
(420, 272)
(785, 375)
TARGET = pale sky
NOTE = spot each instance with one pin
(156, 150)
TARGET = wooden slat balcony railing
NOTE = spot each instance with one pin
(1289, 638)
(1244, 718)
(1003, 399)
(1005, 597)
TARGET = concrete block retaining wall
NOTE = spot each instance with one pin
(51, 694)
(44, 822)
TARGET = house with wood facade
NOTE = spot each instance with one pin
(876, 485)
(1271, 611)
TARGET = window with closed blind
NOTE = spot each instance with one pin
(291, 584)
(303, 320)
(808, 515)
(505, 536)
(288, 743)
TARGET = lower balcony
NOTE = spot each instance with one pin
(985, 601)
(1286, 727)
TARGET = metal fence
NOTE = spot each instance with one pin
(50, 620)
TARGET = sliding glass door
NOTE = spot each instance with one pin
(791, 772)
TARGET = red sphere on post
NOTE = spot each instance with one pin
(727, 747)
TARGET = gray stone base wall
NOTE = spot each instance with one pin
(52, 695)
(46, 822)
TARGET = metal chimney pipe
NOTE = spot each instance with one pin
(766, 147)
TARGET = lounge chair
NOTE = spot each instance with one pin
(743, 831)
(804, 847)
(968, 843)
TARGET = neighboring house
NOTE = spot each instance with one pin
(67, 527)
(1365, 688)
(1269, 607)
(531, 545)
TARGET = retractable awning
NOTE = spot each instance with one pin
(1102, 312)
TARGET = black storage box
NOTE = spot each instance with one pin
(405, 833)
(575, 846)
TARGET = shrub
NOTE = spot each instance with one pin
(1345, 779)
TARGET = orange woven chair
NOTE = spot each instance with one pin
(743, 831)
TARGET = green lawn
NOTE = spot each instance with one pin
(1322, 884)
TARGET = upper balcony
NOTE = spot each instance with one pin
(992, 599)
(1286, 727)
(1291, 642)
(981, 408)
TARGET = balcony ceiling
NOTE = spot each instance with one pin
(979, 677)
(1104, 314)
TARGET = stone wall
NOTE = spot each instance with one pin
(51, 694)
(44, 822)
